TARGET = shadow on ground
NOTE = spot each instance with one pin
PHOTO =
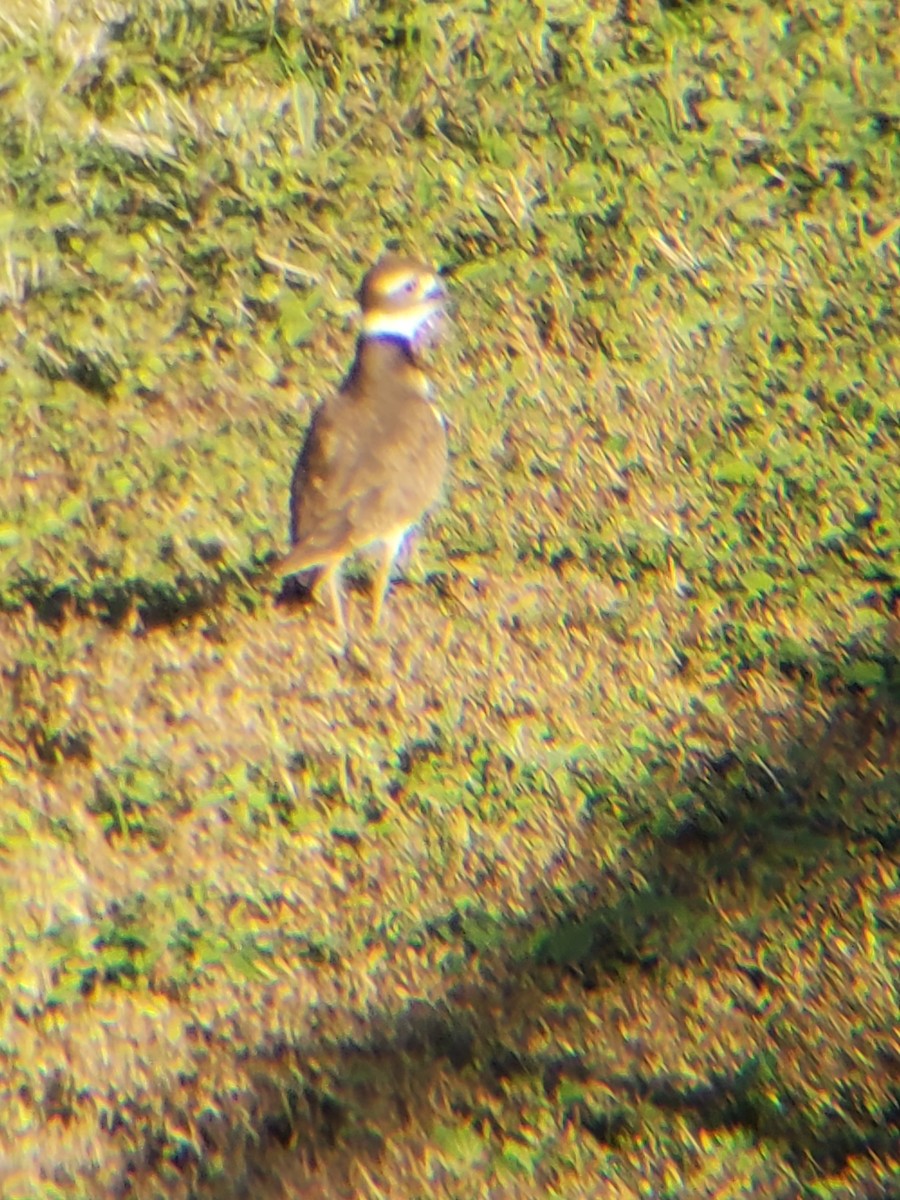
(597, 1005)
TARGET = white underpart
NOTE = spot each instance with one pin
(403, 324)
(427, 392)
(391, 542)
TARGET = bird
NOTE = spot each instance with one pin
(375, 454)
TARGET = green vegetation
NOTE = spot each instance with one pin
(580, 878)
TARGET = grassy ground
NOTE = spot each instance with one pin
(579, 879)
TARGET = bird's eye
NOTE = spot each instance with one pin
(409, 287)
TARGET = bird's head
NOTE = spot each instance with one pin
(401, 298)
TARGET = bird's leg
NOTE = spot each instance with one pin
(331, 579)
(389, 548)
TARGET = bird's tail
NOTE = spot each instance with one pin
(296, 563)
(299, 579)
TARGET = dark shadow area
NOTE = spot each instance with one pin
(156, 605)
(297, 591)
(317, 1108)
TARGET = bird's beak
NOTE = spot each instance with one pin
(436, 290)
(434, 300)
(434, 304)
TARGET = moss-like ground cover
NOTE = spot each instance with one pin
(580, 877)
